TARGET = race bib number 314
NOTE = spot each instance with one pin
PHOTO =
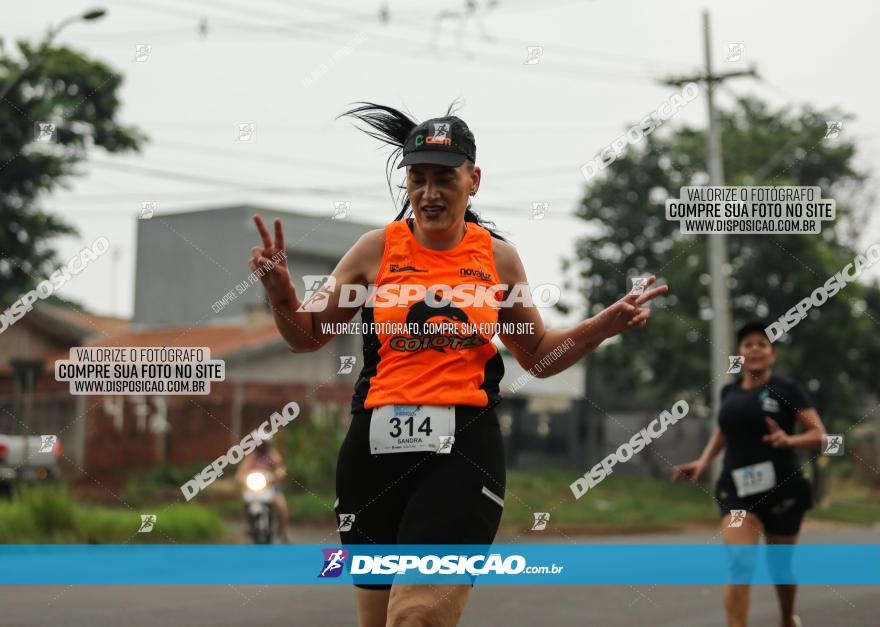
(410, 428)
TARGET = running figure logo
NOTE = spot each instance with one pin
(318, 290)
(247, 132)
(736, 364)
(639, 284)
(45, 131)
(345, 522)
(334, 560)
(446, 442)
(147, 523)
(47, 443)
(346, 364)
(737, 517)
(147, 209)
(340, 209)
(832, 444)
(142, 52)
(541, 520)
(441, 134)
(533, 55)
(734, 52)
(832, 129)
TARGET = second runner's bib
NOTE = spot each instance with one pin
(754, 479)
(411, 428)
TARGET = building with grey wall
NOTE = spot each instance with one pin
(188, 262)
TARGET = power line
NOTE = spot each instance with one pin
(146, 5)
(337, 128)
(245, 22)
(261, 156)
(411, 19)
(299, 24)
(224, 182)
(490, 61)
(578, 71)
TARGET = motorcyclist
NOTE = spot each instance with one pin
(266, 458)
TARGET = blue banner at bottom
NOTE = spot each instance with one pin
(440, 564)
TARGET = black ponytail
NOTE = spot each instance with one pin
(392, 127)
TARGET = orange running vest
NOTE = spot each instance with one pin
(435, 347)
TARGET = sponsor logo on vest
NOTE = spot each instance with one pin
(422, 317)
(476, 273)
(397, 268)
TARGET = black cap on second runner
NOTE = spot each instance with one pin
(753, 326)
(440, 141)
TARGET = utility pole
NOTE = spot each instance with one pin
(115, 254)
(718, 266)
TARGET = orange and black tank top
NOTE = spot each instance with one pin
(428, 329)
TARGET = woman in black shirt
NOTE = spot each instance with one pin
(761, 487)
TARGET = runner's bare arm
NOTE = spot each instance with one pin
(714, 446)
(813, 430)
(692, 470)
(359, 263)
(530, 346)
(569, 345)
(303, 330)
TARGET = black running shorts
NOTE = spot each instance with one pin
(420, 497)
(781, 510)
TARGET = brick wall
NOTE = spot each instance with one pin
(113, 433)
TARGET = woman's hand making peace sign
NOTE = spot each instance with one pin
(628, 313)
(270, 264)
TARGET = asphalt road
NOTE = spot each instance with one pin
(507, 606)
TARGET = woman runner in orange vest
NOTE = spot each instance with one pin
(423, 460)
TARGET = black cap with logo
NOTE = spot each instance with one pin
(440, 141)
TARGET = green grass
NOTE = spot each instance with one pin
(159, 484)
(620, 503)
(849, 502)
(49, 515)
(312, 507)
(304, 507)
(848, 512)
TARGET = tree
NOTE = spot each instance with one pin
(79, 96)
(831, 351)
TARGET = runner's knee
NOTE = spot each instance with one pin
(741, 562)
(779, 565)
(416, 615)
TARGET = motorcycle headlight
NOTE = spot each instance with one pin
(256, 481)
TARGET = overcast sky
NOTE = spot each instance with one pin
(535, 124)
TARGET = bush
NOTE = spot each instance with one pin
(310, 453)
(51, 509)
(157, 484)
(49, 515)
(16, 524)
(184, 523)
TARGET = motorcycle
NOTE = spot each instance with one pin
(259, 498)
